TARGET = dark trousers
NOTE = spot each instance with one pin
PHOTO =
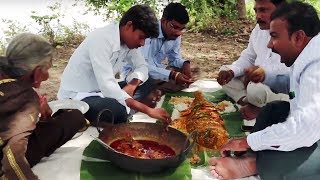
(142, 91)
(302, 163)
(53, 133)
(114, 111)
(156, 84)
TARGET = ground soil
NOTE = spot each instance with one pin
(207, 52)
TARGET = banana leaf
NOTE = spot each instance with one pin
(232, 121)
(93, 170)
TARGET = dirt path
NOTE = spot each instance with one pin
(207, 52)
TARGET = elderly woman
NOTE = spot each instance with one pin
(27, 130)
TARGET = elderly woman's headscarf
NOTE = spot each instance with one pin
(25, 52)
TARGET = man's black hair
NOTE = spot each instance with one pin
(299, 16)
(276, 2)
(177, 12)
(143, 18)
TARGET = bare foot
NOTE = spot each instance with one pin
(233, 167)
(249, 111)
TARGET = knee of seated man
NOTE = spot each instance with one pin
(257, 94)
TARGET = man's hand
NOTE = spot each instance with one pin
(182, 79)
(132, 86)
(234, 145)
(225, 76)
(255, 74)
(160, 113)
(157, 113)
(186, 69)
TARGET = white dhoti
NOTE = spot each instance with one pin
(257, 94)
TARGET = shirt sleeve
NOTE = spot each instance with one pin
(147, 51)
(301, 129)
(158, 73)
(174, 56)
(247, 56)
(279, 83)
(140, 67)
(100, 56)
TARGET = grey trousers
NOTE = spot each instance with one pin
(302, 163)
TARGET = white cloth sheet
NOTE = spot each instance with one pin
(65, 162)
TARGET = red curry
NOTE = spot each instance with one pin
(143, 149)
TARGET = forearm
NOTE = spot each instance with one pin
(132, 86)
(136, 105)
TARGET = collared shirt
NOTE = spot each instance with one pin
(258, 54)
(302, 127)
(156, 50)
(93, 65)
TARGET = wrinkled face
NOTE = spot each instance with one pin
(282, 43)
(172, 29)
(133, 38)
(263, 10)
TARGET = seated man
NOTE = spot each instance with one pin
(176, 74)
(255, 59)
(284, 143)
(24, 137)
(90, 73)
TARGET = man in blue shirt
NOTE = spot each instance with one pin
(175, 74)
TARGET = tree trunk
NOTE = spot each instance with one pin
(241, 8)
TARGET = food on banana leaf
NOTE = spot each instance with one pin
(202, 116)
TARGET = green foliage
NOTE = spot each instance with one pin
(57, 33)
(13, 28)
(49, 22)
(203, 13)
(251, 15)
(73, 35)
(314, 3)
(116, 8)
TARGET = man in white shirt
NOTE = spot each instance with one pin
(90, 75)
(256, 57)
(176, 74)
(284, 141)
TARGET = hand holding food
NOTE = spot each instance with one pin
(182, 79)
(160, 113)
(224, 77)
(186, 69)
(255, 74)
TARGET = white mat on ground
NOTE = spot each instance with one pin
(65, 162)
